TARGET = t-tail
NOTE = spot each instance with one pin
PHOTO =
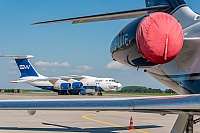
(25, 67)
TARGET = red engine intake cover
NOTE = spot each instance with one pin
(159, 37)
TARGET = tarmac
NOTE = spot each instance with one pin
(81, 121)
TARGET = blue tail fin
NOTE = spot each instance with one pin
(25, 68)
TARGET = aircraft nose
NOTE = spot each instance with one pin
(119, 86)
(115, 87)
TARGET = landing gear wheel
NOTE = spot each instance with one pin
(99, 93)
(66, 93)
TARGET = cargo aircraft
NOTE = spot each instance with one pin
(63, 85)
(164, 40)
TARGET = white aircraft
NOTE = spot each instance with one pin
(164, 40)
(63, 85)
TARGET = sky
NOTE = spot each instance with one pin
(64, 49)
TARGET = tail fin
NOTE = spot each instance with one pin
(172, 3)
(25, 67)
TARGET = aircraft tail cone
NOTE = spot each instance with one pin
(131, 127)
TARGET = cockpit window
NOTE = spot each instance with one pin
(112, 81)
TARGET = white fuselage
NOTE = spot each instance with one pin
(89, 82)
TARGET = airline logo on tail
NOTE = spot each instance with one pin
(24, 66)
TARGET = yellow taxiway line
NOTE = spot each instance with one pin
(108, 123)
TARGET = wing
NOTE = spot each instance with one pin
(50, 79)
(167, 104)
(110, 16)
(76, 77)
(66, 78)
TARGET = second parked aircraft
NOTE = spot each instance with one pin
(63, 85)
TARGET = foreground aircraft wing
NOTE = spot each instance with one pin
(162, 104)
(110, 16)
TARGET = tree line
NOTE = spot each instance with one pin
(142, 89)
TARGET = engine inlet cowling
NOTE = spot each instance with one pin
(159, 37)
(77, 85)
(62, 85)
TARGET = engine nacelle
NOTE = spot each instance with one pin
(62, 85)
(77, 85)
(159, 37)
(148, 41)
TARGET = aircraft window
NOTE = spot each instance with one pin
(98, 80)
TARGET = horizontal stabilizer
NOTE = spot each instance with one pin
(18, 81)
(17, 56)
(110, 16)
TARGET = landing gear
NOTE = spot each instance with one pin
(184, 123)
(63, 93)
(189, 127)
(99, 93)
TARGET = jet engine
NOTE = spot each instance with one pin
(77, 85)
(159, 37)
(153, 39)
(62, 85)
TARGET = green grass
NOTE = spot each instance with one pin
(104, 93)
(26, 91)
(134, 93)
